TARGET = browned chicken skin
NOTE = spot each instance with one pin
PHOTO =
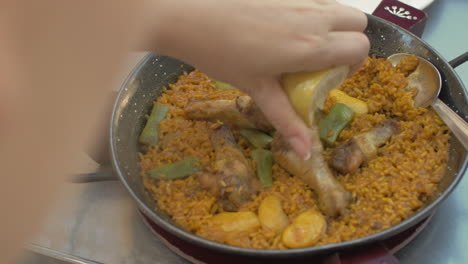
(241, 112)
(349, 156)
(333, 198)
(234, 171)
(247, 107)
(234, 182)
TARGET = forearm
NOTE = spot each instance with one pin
(164, 22)
(66, 54)
(183, 29)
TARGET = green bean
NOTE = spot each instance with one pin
(224, 86)
(177, 170)
(337, 119)
(264, 160)
(150, 133)
(257, 138)
(318, 116)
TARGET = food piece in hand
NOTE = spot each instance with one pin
(358, 106)
(349, 156)
(235, 179)
(241, 112)
(271, 214)
(177, 170)
(264, 162)
(150, 133)
(307, 91)
(337, 119)
(305, 230)
(333, 198)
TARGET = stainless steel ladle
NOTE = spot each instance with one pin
(426, 78)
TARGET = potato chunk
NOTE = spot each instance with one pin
(236, 222)
(305, 230)
(358, 106)
(271, 214)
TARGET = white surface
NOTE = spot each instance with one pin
(369, 6)
(98, 221)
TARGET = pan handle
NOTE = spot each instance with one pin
(103, 173)
(459, 60)
(457, 125)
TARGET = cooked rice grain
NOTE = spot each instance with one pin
(387, 190)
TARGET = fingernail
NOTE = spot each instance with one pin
(300, 147)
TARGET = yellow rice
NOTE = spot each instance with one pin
(386, 191)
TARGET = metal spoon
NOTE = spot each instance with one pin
(426, 78)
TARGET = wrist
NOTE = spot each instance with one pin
(165, 25)
(176, 28)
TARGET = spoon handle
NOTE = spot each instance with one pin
(456, 124)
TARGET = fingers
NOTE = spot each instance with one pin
(355, 67)
(346, 48)
(344, 43)
(345, 18)
(274, 103)
(337, 48)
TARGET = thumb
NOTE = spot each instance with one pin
(274, 103)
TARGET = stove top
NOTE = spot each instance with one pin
(99, 223)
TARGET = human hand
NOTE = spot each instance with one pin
(251, 43)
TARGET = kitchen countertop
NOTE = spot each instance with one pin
(98, 222)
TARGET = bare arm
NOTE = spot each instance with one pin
(57, 63)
